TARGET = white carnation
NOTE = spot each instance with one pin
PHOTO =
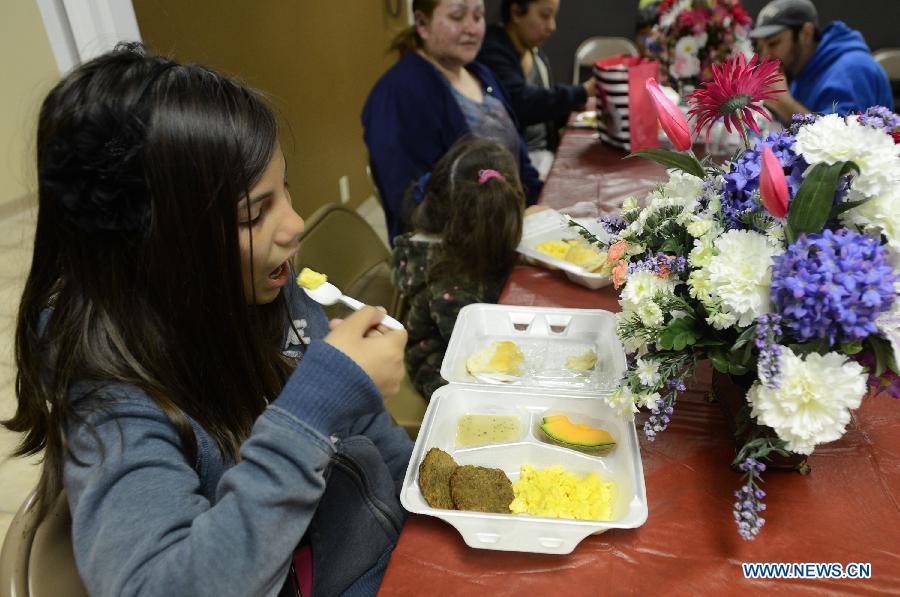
(889, 325)
(699, 286)
(741, 274)
(681, 185)
(834, 139)
(881, 213)
(697, 227)
(813, 403)
(703, 252)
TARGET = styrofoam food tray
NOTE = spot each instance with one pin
(550, 225)
(547, 336)
(521, 532)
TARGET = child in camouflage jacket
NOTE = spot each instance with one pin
(467, 221)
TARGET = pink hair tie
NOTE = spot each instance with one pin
(487, 174)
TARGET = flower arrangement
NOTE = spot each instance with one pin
(782, 267)
(691, 36)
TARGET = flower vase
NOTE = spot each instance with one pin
(731, 394)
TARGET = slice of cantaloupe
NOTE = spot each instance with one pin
(576, 436)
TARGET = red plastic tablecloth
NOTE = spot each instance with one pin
(847, 510)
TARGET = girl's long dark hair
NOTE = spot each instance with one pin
(480, 223)
(136, 271)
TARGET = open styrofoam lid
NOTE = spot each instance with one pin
(548, 338)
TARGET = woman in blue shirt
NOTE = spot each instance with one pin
(434, 95)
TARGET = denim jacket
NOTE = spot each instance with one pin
(323, 461)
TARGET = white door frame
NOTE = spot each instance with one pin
(79, 30)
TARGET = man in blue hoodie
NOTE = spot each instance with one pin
(830, 70)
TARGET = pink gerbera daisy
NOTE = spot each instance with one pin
(735, 89)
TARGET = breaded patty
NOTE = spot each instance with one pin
(481, 489)
(434, 478)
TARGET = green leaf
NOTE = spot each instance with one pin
(678, 334)
(789, 235)
(818, 345)
(708, 342)
(847, 205)
(884, 355)
(811, 207)
(746, 336)
(742, 357)
(672, 246)
(737, 369)
(671, 159)
(851, 347)
(719, 359)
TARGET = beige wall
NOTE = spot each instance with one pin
(27, 72)
(317, 61)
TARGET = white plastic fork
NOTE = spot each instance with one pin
(329, 294)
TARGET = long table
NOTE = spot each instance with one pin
(847, 510)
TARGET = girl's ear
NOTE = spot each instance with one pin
(421, 23)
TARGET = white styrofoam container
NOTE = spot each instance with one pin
(547, 336)
(550, 225)
(542, 392)
(520, 532)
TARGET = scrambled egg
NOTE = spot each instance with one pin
(500, 357)
(555, 248)
(556, 493)
(582, 362)
(310, 279)
(574, 251)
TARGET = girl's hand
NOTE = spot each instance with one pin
(379, 354)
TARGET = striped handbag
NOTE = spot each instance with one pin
(628, 120)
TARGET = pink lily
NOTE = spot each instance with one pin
(670, 117)
(772, 184)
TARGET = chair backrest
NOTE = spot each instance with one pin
(594, 48)
(37, 560)
(340, 243)
(889, 59)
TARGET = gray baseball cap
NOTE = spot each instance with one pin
(778, 15)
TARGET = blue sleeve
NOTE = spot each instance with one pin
(142, 526)
(140, 522)
(531, 181)
(853, 84)
(532, 104)
(405, 137)
(392, 442)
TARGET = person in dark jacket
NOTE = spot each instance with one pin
(512, 50)
(434, 95)
(830, 70)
